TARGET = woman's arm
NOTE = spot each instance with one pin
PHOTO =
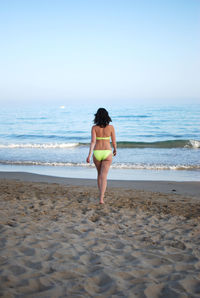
(113, 138)
(92, 144)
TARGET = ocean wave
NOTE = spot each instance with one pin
(39, 146)
(132, 116)
(62, 138)
(168, 144)
(194, 143)
(156, 167)
(161, 144)
(128, 166)
(41, 163)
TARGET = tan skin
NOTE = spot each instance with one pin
(104, 165)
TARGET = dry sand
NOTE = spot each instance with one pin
(57, 241)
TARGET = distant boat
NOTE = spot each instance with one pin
(62, 107)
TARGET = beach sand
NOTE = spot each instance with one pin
(56, 240)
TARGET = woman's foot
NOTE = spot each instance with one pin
(101, 202)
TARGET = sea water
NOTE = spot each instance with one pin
(155, 142)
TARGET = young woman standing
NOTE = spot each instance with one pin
(100, 146)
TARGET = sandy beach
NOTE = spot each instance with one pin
(57, 241)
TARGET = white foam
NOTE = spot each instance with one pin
(113, 166)
(155, 167)
(195, 143)
(39, 146)
(40, 163)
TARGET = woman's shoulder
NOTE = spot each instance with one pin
(95, 128)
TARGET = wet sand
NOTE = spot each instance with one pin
(57, 241)
(184, 188)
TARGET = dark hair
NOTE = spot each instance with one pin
(102, 118)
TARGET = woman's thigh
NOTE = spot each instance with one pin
(97, 164)
(106, 163)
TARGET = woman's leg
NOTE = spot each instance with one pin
(102, 170)
(98, 167)
(105, 165)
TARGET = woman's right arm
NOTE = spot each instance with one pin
(113, 138)
(92, 144)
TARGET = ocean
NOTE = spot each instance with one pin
(155, 142)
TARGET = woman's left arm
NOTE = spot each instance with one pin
(92, 144)
(113, 138)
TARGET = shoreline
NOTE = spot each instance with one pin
(186, 188)
(114, 174)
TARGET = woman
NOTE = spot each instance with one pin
(101, 133)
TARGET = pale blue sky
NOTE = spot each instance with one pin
(105, 50)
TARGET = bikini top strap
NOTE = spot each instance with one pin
(103, 138)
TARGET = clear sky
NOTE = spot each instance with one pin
(105, 50)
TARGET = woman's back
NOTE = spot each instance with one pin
(103, 132)
(103, 135)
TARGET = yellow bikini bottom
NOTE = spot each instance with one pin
(101, 154)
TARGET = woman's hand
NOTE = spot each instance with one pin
(88, 159)
(114, 152)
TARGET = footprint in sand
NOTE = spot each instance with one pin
(100, 283)
(33, 265)
(94, 218)
(17, 270)
(27, 251)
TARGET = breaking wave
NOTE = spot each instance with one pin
(192, 144)
(40, 146)
(114, 165)
(162, 144)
